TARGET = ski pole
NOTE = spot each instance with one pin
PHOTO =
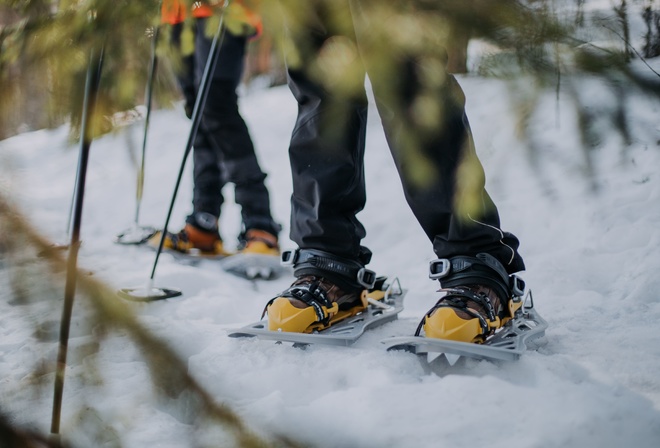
(200, 102)
(149, 95)
(137, 234)
(92, 83)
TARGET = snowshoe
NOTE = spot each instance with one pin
(324, 321)
(472, 318)
(517, 335)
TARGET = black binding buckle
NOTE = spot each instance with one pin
(366, 278)
(517, 286)
(288, 258)
(439, 268)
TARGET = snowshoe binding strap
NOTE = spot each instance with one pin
(483, 269)
(348, 273)
(178, 240)
(311, 294)
(316, 309)
(205, 222)
(175, 241)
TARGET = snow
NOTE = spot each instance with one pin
(590, 245)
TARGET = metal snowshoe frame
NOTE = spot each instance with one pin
(508, 344)
(346, 332)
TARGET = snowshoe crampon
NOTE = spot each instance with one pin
(382, 306)
(507, 344)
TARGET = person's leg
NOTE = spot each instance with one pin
(227, 133)
(449, 200)
(207, 183)
(443, 180)
(326, 151)
(422, 111)
(201, 230)
(326, 155)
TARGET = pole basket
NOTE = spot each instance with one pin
(135, 235)
(148, 294)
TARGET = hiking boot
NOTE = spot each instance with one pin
(311, 304)
(259, 242)
(191, 240)
(467, 314)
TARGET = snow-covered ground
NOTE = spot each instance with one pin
(592, 260)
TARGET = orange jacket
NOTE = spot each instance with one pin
(238, 15)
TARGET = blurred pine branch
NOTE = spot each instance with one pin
(169, 372)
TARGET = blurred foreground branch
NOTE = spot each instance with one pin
(533, 43)
(168, 371)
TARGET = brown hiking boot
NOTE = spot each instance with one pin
(312, 304)
(466, 314)
(260, 242)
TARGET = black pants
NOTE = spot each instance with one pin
(437, 164)
(223, 150)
